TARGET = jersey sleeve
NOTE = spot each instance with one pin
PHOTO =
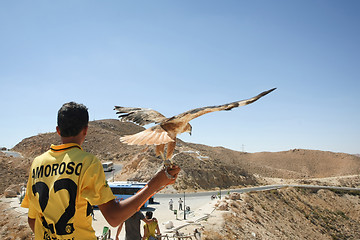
(26, 203)
(32, 212)
(94, 187)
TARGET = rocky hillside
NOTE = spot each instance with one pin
(140, 162)
(289, 213)
(13, 171)
(203, 167)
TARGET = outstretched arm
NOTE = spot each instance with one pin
(116, 213)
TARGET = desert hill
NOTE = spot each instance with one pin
(289, 213)
(204, 167)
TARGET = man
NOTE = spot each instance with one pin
(180, 204)
(171, 203)
(197, 234)
(132, 226)
(151, 228)
(65, 181)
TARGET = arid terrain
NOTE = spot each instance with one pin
(207, 168)
(289, 213)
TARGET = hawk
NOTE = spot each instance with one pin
(166, 129)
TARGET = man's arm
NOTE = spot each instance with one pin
(146, 233)
(118, 231)
(147, 220)
(31, 222)
(158, 229)
(116, 213)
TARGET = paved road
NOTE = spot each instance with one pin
(12, 153)
(222, 192)
(117, 169)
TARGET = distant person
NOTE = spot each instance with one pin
(180, 204)
(65, 181)
(197, 234)
(171, 204)
(151, 229)
(132, 226)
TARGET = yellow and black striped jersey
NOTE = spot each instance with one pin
(63, 184)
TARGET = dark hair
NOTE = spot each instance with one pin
(72, 118)
(149, 215)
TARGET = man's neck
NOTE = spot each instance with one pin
(79, 139)
(76, 140)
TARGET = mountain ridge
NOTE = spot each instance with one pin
(218, 167)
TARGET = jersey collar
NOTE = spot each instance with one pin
(64, 147)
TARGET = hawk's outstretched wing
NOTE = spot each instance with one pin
(197, 112)
(141, 116)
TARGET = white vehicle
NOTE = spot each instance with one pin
(108, 166)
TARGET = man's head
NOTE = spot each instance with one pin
(72, 119)
(149, 215)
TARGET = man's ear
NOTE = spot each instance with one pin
(85, 129)
(58, 130)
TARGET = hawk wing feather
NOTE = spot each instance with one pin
(152, 136)
(197, 112)
(140, 116)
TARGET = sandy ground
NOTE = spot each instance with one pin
(200, 208)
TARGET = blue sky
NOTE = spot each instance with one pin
(173, 56)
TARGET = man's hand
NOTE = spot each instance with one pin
(164, 177)
(116, 213)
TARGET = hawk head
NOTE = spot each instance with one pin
(188, 128)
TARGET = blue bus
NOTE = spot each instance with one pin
(123, 190)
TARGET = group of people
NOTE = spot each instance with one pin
(132, 227)
(65, 181)
(171, 204)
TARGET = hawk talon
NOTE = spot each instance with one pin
(168, 163)
(168, 175)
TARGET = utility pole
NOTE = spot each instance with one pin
(184, 208)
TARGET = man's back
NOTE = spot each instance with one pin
(132, 226)
(60, 187)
